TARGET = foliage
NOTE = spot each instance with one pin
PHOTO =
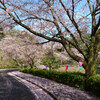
(6, 63)
(60, 50)
(7, 67)
(51, 61)
(2, 36)
(69, 78)
(94, 84)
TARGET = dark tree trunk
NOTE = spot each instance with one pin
(91, 68)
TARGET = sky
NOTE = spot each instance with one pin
(18, 27)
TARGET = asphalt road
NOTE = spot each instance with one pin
(11, 89)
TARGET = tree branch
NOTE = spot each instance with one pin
(17, 16)
(73, 6)
(36, 17)
(97, 25)
(74, 23)
(89, 6)
(71, 54)
(4, 19)
(32, 31)
(55, 20)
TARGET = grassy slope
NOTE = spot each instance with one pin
(6, 63)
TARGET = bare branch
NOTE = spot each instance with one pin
(97, 25)
(89, 6)
(42, 43)
(36, 17)
(5, 19)
(17, 16)
(70, 52)
(73, 8)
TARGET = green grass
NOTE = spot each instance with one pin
(6, 62)
(7, 67)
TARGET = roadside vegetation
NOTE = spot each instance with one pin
(73, 79)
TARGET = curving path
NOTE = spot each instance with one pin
(11, 89)
(57, 90)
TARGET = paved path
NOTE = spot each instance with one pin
(11, 89)
(56, 90)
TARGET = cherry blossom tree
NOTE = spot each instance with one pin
(63, 21)
(22, 48)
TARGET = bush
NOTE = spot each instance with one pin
(69, 78)
(93, 84)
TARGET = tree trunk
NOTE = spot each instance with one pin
(31, 66)
(91, 67)
(90, 70)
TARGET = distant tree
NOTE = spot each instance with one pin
(22, 48)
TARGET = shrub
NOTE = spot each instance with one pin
(93, 84)
(69, 78)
